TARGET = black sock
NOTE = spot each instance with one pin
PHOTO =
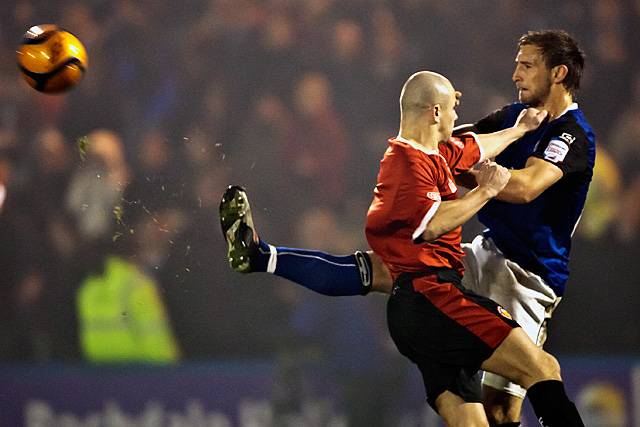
(552, 406)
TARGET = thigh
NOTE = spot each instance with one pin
(531, 300)
(448, 332)
(484, 265)
(444, 323)
(439, 378)
(524, 294)
(520, 360)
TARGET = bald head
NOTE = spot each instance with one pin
(425, 89)
(428, 108)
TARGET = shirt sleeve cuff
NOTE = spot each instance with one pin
(477, 141)
(417, 234)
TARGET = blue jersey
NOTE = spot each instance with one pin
(537, 235)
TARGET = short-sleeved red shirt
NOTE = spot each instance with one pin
(412, 183)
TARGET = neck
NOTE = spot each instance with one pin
(421, 135)
(557, 102)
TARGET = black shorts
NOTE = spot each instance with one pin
(445, 329)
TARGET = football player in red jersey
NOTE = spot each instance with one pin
(521, 259)
(414, 226)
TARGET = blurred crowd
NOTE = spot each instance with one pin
(294, 99)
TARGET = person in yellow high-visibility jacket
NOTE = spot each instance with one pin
(122, 317)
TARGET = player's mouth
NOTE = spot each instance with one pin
(523, 92)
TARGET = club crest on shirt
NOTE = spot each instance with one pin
(504, 313)
(434, 195)
(556, 151)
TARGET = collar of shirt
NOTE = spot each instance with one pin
(417, 146)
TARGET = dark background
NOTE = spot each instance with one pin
(295, 101)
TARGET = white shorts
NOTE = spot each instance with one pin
(525, 295)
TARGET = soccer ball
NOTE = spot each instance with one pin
(51, 59)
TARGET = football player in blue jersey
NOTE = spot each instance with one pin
(521, 259)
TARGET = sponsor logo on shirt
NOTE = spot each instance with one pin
(434, 195)
(568, 138)
(557, 150)
(504, 313)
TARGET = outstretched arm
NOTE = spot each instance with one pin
(492, 144)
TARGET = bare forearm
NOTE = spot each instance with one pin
(454, 213)
(494, 143)
(517, 189)
(526, 184)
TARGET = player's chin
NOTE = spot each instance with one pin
(527, 98)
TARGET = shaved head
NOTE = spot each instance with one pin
(425, 89)
(428, 108)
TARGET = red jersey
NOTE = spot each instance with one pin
(412, 182)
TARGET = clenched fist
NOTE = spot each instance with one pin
(530, 118)
(492, 176)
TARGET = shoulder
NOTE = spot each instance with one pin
(414, 160)
(399, 151)
(569, 143)
(571, 129)
(407, 152)
(456, 145)
(400, 158)
(461, 140)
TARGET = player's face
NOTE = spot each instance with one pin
(449, 114)
(531, 76)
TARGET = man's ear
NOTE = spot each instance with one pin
(436, 113)
(559, 73)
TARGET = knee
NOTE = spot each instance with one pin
(457, 413)
(501, 408)
(499, 413)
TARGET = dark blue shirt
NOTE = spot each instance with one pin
(537, 235)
